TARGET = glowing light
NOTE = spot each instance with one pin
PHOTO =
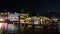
(21, 21)
(41, 21)
(15, 13)
(5, 26)
(2, 13)
(5, 18)
(1, 25)
(2, 20)
(48, 11)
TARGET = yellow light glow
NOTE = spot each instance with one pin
(2, 20)
(41, 21)
(2, 13)
(1, 25)
(22, 21)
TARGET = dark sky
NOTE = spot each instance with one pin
(32, 5)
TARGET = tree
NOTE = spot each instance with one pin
(23, 11)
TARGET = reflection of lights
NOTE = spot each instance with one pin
(1, 25)
(5, 25)
(12, 28)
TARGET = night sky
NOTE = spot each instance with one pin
(37, 6)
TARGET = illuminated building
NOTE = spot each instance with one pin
(28, 20)
(29, 23)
